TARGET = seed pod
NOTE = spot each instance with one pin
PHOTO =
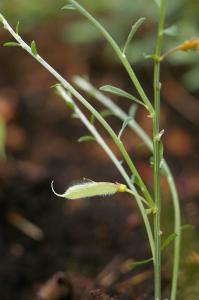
(91, 189)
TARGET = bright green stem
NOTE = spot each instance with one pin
(116, 162)
(122, 115)
(156, 145)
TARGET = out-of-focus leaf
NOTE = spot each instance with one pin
(134, 28)
(17, 28)
(86, 138)
(168, 240)
(171, 31)
(136, 264)
(119, 92)
(124, 125)
(11, 44)
(187, 227)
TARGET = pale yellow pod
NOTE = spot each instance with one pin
(91, 189)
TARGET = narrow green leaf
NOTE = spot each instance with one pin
(140, 263)
(124, 125)
(17, 28)
(169, 240)
(171, 31)
(11, 44)
(149, 56)
(33, 48)
(134, 29)
(69, 6)
(132, 110)
(86, 138)
(70, 105)
(120, 92)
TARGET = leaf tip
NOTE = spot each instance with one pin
(34, 48)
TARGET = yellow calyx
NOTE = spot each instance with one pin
(121, 188)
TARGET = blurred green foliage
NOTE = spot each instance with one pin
(30, 12)
(118, 16)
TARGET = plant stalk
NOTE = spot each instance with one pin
(122, 115)
(157, 155)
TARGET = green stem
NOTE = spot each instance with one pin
(156, 145)
(116, 162)
(122, 115)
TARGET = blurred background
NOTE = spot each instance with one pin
(91, 240)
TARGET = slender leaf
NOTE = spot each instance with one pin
(140, 263)
(187, 226)
(70, 105)
(171, 31)
(34, 48)
(120, 92)
(134, 29)
(169, 240)
(86, 138)
(124, 125)
(17, 28)
(11, 44)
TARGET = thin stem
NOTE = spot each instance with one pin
(116, 162)
(122, 115)
(156, 145)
